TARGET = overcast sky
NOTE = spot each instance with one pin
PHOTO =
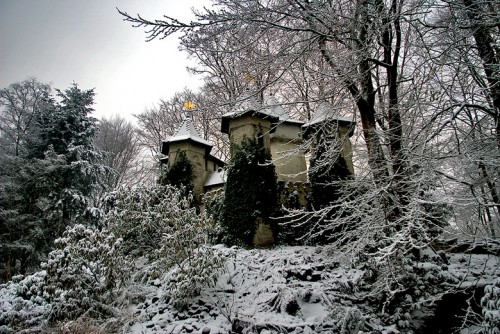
(87, 42)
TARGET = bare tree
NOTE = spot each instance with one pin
(421, 78)
(461, 45)
(159, 123)
(19, 104)
(360, 44)
(118, 139)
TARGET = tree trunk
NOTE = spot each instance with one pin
(489, 54)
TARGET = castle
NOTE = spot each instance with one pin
(269, 124)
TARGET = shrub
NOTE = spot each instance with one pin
(160, 223)
(22, 303)
(490, 304)
(83, 273)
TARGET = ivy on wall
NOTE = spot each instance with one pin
(251, 192)
(179, 174)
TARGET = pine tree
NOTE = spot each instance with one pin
(51, 183)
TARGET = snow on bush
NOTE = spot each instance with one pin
(490, 304)
(161, 224)
(84, 273)
(22, 303)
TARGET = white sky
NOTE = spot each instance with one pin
(87, 42)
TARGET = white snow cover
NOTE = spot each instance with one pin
(282, 290)
(275, 108)
(215, 178)
(188, 131)
(259, 288)
(248, 101)
(325, 112)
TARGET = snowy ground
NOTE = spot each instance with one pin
(281, 290)
(288, 290)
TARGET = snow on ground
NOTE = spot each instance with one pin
(287, 290)
(280, 290)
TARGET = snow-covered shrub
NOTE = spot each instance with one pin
(490, 304)
(161, 224)
(349, 319)
(84, 272)
(142, 216)
(22, 303)
(198, 270)
(81, 325)
(285, 301)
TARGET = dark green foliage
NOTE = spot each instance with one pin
(179, 174)
(214, 207)
(327, 169)
(328, 173)
(49, 180)
(251, 192)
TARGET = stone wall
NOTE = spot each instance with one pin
(196, 155)
(293, 195)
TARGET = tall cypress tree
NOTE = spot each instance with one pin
(327, 167)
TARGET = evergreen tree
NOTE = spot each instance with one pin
(251, 192)
(52, 183)
(65, 145)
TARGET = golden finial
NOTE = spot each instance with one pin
(189, 106)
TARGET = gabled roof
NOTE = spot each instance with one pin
(186, 132)
(326, 113)
(248, 104)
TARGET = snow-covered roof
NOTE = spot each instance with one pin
(186, 131)
(216, 178)
(326, 113)
(247, 103)
(274, 107)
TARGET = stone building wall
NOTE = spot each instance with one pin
(288, 155)
(196, 155)
(293, 195)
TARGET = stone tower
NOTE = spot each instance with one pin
(197, 151)
(249, 120)
(286, 144)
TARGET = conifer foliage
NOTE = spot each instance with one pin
(251, 192)
(327, 169)
(49, 175)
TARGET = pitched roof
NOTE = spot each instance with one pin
(186, 132)
(326, 113)
(215, 179)
(247, 104)
(273, 107)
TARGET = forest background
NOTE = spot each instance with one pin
(420, 78)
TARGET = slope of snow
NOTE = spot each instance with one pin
(282, 290)
(288, 290)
